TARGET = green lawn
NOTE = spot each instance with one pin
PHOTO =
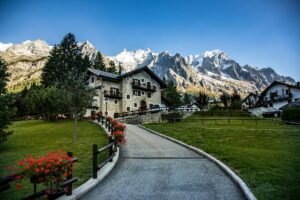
(38, 137)
(266, 156)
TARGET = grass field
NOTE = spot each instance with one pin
(39, 137)
(266, 156)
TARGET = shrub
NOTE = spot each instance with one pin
(171, 117)
(291, 114)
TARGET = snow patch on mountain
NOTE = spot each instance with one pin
(4, 46)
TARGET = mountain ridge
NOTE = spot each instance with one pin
(213, 71)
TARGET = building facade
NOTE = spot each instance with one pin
(136, 90)
(273, 98)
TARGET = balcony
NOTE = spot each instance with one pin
(113, 94)
(145, 87)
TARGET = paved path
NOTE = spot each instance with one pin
(151, 167)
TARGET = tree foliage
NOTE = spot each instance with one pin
(202, 99)
(99, 62)
(225, 99)
(171, 94)
(112, 67)
(187, 99)
(6, 111)
(64, 58)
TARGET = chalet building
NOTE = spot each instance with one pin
(250, 101)
(275, 96)
(135, 90)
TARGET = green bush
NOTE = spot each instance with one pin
(171, 117)
(291, 114)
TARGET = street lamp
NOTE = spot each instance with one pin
(106, 101)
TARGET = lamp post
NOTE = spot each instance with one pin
(106, 101)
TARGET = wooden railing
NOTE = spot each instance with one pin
(66, 185)
(220, 121)
(111, 147)
(145, 87)
(113, 94)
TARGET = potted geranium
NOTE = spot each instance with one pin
(50, 169)
(119, 136)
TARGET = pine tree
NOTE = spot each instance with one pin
(171, 94)
(202, 99)
(186, 98)
(112, 67)
(99, 63)
(64, 58)
(5, 103)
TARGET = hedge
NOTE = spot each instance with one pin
(291, 114)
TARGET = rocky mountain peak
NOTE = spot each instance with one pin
(214, 71)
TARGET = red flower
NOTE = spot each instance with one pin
(46, 171)
(37, 170)
(19, 186)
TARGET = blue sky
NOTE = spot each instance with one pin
(263, 33)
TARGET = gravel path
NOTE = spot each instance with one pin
(151, 167)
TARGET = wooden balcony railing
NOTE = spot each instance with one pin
(146, 87)
(113, 94)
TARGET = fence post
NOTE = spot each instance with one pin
(256, 121)
(109, 126)
(70, 175)
(95, 149)
(102, 120)
(105, 123)
(111, 148)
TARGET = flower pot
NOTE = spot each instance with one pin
(53, 194)
(37, 179)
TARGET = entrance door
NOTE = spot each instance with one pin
(143, 105)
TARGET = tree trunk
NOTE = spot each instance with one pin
(75, 127)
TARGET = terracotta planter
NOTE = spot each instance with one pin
(53, 194)
(37, 179)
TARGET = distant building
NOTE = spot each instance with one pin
(250, 101)
(135, 90)
(275, 96)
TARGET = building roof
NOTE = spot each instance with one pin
(278, 83)
(121, 76)
(251, 93)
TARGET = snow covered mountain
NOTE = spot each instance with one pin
(213, 71)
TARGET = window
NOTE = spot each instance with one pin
(92, 81)
(136, 82)
(143, 93)
(136, 93)
(149, 95)
(128, 109)
(143, 80)
(116, 101)
(135, 104)
(98, 78)
(128, 96)
(114, 90)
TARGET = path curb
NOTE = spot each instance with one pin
(247, 192)
(91, 183)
